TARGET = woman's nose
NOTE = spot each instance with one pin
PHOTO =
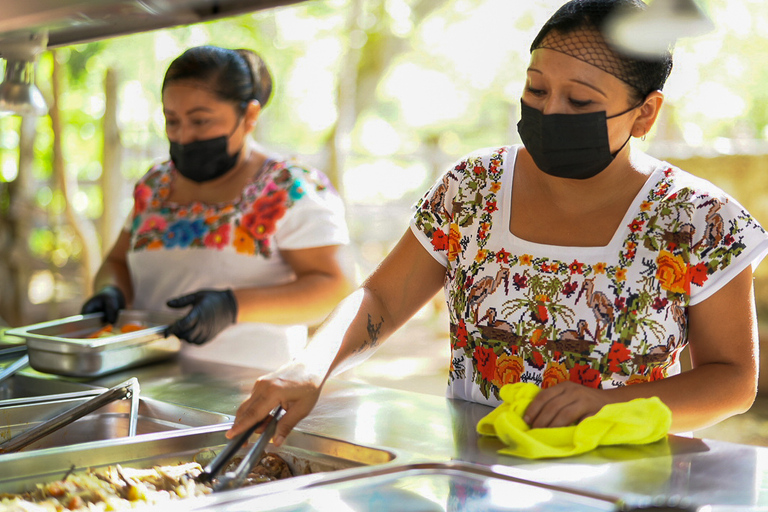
(183, 134)
(554, 106)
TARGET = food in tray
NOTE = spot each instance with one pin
(109, 330)
(119, 488)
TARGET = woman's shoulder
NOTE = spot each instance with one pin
(677, 185)
(290, 181)
(158, 173)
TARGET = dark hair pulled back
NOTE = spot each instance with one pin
(239, 76)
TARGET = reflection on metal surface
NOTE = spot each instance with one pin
(78, 21)
(64, 346)
(18, 92)
(306, 454)
(109, 422)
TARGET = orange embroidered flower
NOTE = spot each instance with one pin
(554, 374)
(672, 273)
(482, 254)
(537, 338)
(526, 259)
(508, 370)
(243, 241)
(495, 186)
(454, 236)
(621, 274)
(599, 268)
(212, 219)
(154, 245)
(645, 206)
(197, 208)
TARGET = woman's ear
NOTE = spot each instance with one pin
(649, 111)
(252, 112)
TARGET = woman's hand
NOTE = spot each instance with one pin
(292, 386)
(212, 312)
(563, 405)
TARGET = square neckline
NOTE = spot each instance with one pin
(616, 242)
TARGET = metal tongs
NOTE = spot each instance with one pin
(128, 389)
(21, 363)
(234, 479)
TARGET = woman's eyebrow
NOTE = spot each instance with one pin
(535, 70)
(591, 86)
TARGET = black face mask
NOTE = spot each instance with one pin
(203, 160)
(571, 146)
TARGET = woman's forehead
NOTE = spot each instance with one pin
(189, 91)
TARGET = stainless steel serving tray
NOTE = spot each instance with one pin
(306, 454)
(62, 347)
(107, 423)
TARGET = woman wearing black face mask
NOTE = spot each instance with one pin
(242, 243)
(572, 262)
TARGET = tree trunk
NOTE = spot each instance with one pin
(111, 178)
(83, 229)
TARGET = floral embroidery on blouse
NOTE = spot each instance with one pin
(616, 320)
(247, 225)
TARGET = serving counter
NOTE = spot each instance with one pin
(439, 462)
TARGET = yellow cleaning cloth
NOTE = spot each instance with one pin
(639, 421)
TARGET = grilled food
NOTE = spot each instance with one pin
(119, 488)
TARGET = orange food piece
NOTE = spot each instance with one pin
(107, 328)
(131, 327)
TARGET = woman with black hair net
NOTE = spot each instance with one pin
(242, 244)
(573, 262)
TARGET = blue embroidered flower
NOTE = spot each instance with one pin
(297, 190)
(181, 233)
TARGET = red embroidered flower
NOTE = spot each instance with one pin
(619, 353)
(478, 169)
(218, 238)
(584, 374)
(141, 195)
(570, 288)
(729, 239)
(490, 206)
(461, 334)
(636, 225)
(502, 256)
(267, 210)
(659, 304)
(575, 267)
(439, 240)
(486, 362)
(698, 273)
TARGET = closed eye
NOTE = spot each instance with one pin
(580, 103)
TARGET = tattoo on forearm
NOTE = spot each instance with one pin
(374, 330)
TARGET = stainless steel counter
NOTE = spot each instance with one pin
(425, 429)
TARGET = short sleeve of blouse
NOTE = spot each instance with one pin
(723, 238)
(432, 219)
(317, 216)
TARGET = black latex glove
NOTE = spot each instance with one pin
(212, 311)
(109, 300)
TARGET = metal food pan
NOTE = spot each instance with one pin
(306, 454)
(107, 423)
(62, 347)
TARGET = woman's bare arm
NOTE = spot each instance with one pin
(394, 292)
